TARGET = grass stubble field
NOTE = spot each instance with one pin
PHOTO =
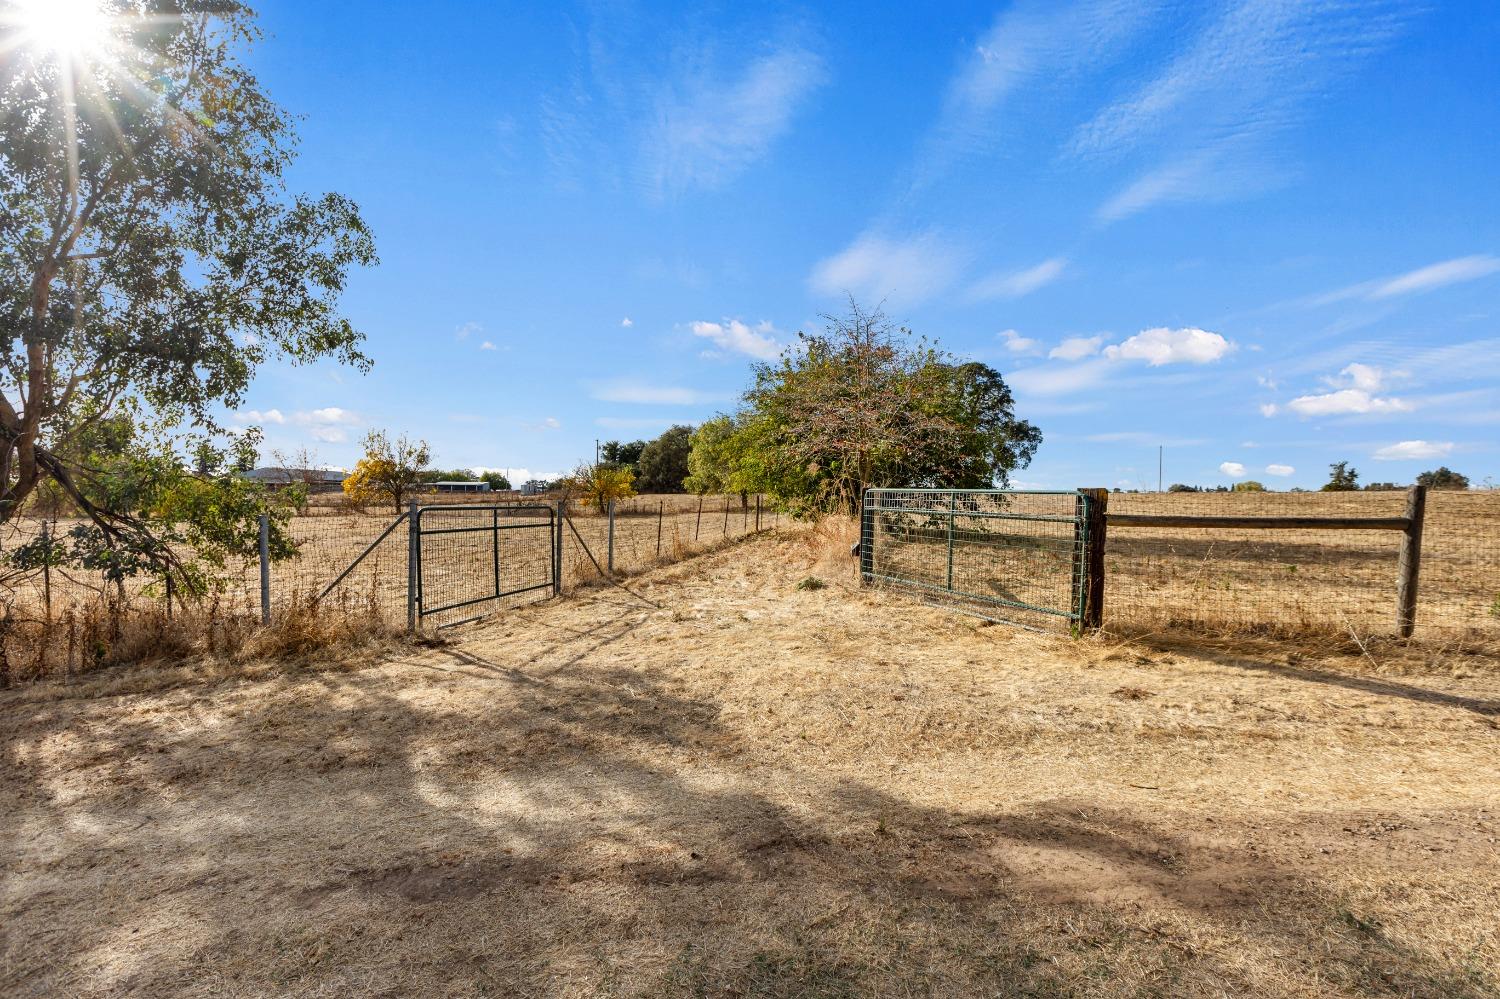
(723, 783)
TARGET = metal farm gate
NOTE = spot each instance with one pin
(1023, 557)
(465, 559)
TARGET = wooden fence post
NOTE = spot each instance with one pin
(1095, 535)
(1409, 566)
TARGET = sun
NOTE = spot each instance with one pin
(65, 28)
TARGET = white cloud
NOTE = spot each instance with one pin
(1076, 348)
(1051, 380)
(328, 424)
(1269, 409)
(707, 131)
(1018, 344)
(1349, 401)
(1415, 282)
(256, 417)
(487, 345)
(873, 268)
(1161, 345)
(518, 476)
(1233, 469)
(639, 393)
(627, 322)
(1411, 450)
(549, 423)
(1365, 377)
(733, 335)
(1280, 470)
(1014, 284)
(463, 332)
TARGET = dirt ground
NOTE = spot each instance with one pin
(723, 784)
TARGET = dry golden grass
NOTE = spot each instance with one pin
(722, 784)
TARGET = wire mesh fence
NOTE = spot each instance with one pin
(1014, 556)
(354, 565)
(1304, 580)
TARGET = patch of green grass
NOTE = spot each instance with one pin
(811, 583)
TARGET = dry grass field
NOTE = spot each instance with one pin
(726, 781)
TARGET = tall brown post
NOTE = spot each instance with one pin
(1409, 566)
(1096, 535)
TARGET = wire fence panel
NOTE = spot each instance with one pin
(474, 560)
(1305, 580)
(1004, 555)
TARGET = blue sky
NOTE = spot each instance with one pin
(1263, 234)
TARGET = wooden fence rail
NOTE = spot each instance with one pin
(1408, 566)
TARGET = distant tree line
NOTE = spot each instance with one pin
(1342, 478)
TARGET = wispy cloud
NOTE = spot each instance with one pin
(710, 126)
(737, 337)
(1076, 348)
(1281, 471)
(1030, 43)
(641, 393)
(1018, 344)
(1015, 284)
(1248, 75)
(627, 322)
(905, 271)
(1415, 282)
(1413, 451)
(1347, 402)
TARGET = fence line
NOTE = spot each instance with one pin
(352, 563)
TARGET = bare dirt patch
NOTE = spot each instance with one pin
(719, 783)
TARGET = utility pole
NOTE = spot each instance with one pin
(596, 450)
(1159, 449)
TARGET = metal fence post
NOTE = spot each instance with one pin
(661, 512)
(1409, 565)
(699, 522)
(610, 538)
(952, 519)
(265, 568)
(867, 540)
(757, 513)
(413, 564)
(560, 521)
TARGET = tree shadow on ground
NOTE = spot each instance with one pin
(1362, 683)
(577, 827)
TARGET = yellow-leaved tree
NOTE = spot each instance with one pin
(389, 471)
(598, 485)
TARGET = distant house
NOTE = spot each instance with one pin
(533, 487)
(317, 480)
(461, 487)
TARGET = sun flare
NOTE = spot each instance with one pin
(67, 28)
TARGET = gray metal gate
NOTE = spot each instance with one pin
(466, 559)
(1006, 555)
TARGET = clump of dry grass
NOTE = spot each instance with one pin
(208, 637)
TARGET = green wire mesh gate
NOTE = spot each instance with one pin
(1004, 555)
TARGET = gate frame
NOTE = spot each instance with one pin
(416, 611)
(1089, 527)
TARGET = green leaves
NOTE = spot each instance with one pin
(151, 260)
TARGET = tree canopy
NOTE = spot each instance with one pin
(390, 470)
(151, 254)
(1443, 478)
(1341, 478)
(864, 403)
(663, 464)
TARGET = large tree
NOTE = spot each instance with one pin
(865, 403)
(151, 255)
(664, 461)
